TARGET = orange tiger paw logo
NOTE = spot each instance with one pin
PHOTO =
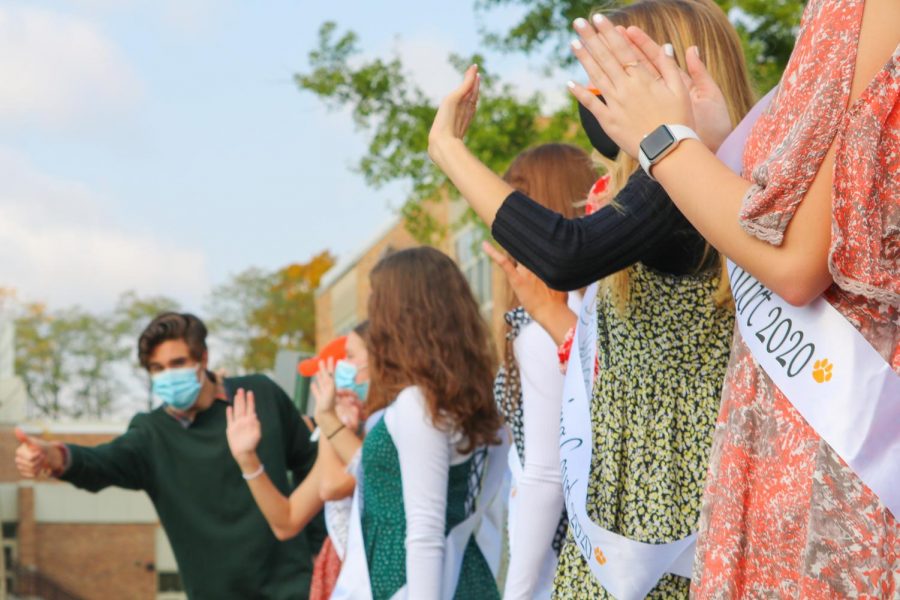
(599, 556)
(822, 370)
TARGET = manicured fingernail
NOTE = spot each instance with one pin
(696, 51)
(598, 19)
(577, 44)
(571, 84)
(580, 23)
(669, 50)
(475, 65)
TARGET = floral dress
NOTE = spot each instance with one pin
(783, 515)
(653, 411)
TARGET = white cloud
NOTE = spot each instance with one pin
(60, 245)
(59, 70)
(425, 59)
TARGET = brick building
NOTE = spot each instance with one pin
(343, 295)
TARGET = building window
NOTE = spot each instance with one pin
(343, 304)
(10, 533)
(476, 266)
(169, 581)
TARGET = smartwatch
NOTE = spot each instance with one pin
(662, 140)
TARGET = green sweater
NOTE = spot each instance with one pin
(221, 540)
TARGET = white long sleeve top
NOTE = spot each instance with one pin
(426, 454)
(539, 496)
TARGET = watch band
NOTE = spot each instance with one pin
(679, 133)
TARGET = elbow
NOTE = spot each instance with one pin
(283, 534)
(329, 491)
(799, 285)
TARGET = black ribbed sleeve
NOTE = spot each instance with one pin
(568, 254)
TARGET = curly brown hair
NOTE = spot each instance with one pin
(425, 330)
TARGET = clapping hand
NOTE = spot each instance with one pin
(643, 87)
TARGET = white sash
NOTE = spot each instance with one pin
(353, 582)
(625, 568)
(823, 365)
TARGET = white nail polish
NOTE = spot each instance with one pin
(598, 18)
(580, 23)
(571, 85)
(576, 44)
(669, 50)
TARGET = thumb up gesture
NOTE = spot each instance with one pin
(35, 457)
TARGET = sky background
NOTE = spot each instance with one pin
(161, 145)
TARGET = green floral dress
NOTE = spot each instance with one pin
(654, 406)
(384, 520)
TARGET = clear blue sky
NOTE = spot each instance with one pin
(161, 145)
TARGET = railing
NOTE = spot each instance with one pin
(31, 583)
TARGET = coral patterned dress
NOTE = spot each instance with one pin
(783, 515)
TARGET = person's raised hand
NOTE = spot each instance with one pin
(640, 91)
(533, 294)
(455, 113)
(323, 388)
(243, 430)
(711, 117)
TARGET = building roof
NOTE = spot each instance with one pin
(346, 263)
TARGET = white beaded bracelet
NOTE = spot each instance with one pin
(254, 474)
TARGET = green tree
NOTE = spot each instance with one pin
(397, 114)
(257, 313)
(385, 101)
(75, 363)
(130, 316)
(767, 29)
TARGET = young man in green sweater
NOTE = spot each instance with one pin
(178, 454)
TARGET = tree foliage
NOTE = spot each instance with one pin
(256, 313)
(73, 362)
(396, 114)
(767, 29)
(386, 102)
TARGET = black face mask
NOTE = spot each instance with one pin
(601, 142)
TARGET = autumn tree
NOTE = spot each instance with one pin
(256, 313)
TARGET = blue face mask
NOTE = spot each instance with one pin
(178, 388)
(345, 379)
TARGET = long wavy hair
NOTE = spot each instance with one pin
(425, 330)
(559, 177)
(686, 23)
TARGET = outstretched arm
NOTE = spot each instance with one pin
(286, 516)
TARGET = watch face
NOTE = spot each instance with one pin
(655, 144)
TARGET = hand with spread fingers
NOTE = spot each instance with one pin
(640, 91)
(323, 388)
(243, 429)
(546, 306)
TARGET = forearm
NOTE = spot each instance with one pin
(556, 320)
(710, 195)
(483, 189)
(343, 441)
(334, 480)
(286, 516)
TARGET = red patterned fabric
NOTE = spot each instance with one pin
(783, 515)
(325, 572)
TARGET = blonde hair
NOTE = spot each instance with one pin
(685, 23)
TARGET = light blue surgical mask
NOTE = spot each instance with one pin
(345, 379)
(178, 388)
